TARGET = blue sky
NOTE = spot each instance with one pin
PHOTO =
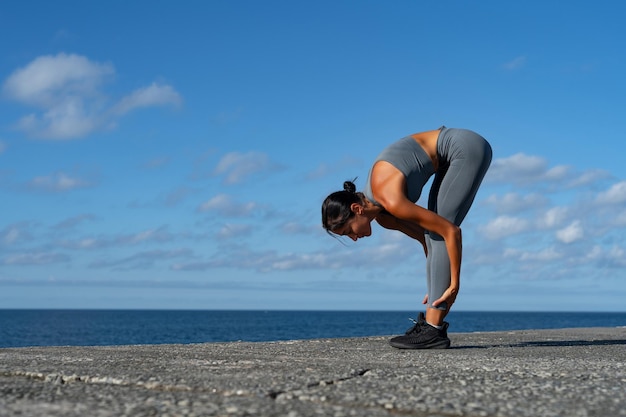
(175, 154)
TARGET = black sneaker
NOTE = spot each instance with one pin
(423, 336)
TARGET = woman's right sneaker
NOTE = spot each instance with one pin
(423, 336)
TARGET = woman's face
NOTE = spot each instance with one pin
(357, 227)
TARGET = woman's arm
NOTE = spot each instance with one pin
(388, 187)
(451, 234)
(411, 229)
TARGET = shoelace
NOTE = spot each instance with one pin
(416, 326)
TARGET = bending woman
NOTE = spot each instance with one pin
(459, 159)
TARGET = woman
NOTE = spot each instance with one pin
(459, 159)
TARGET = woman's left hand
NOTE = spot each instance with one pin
(449, 296)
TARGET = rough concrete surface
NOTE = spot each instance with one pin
(567, 372)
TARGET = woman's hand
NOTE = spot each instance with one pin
(449, 296)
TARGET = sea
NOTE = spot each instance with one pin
(21, 328)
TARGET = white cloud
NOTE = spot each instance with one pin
(66, 119)
(15, 233)
(595, 253)
(34, 258)
(544, 255)
(528, 170)
(589, 177)
(517, 168)
(614, 195)
(571, 233)
(84, 243)
(553, 217)
(522, 169)
(11, 235)
(558, 173)
(613, 257)
(154, 95)
(617, 256)
(504, 226)
(151, 235)
(176, 196)
(515, 202)
(157, 235)
(238, 166)
(88, 243)
(46, 78)
(57, 182)
(230, 231)
(225, 205)
(380, 256)
(142, 260)
(66, 90)
(72, 222)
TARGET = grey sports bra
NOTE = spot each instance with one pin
(412, 160)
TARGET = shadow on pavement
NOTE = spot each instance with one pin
(547, 343)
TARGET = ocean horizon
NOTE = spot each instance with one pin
(85, 327)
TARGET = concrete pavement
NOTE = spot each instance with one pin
(567, 372)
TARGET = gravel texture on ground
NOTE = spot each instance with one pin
(565, 372)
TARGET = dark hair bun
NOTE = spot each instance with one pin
(349, 187)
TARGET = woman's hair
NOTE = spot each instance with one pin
(336, 209)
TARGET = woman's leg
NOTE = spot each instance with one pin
(453, 191)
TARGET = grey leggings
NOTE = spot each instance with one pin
(464, 158)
